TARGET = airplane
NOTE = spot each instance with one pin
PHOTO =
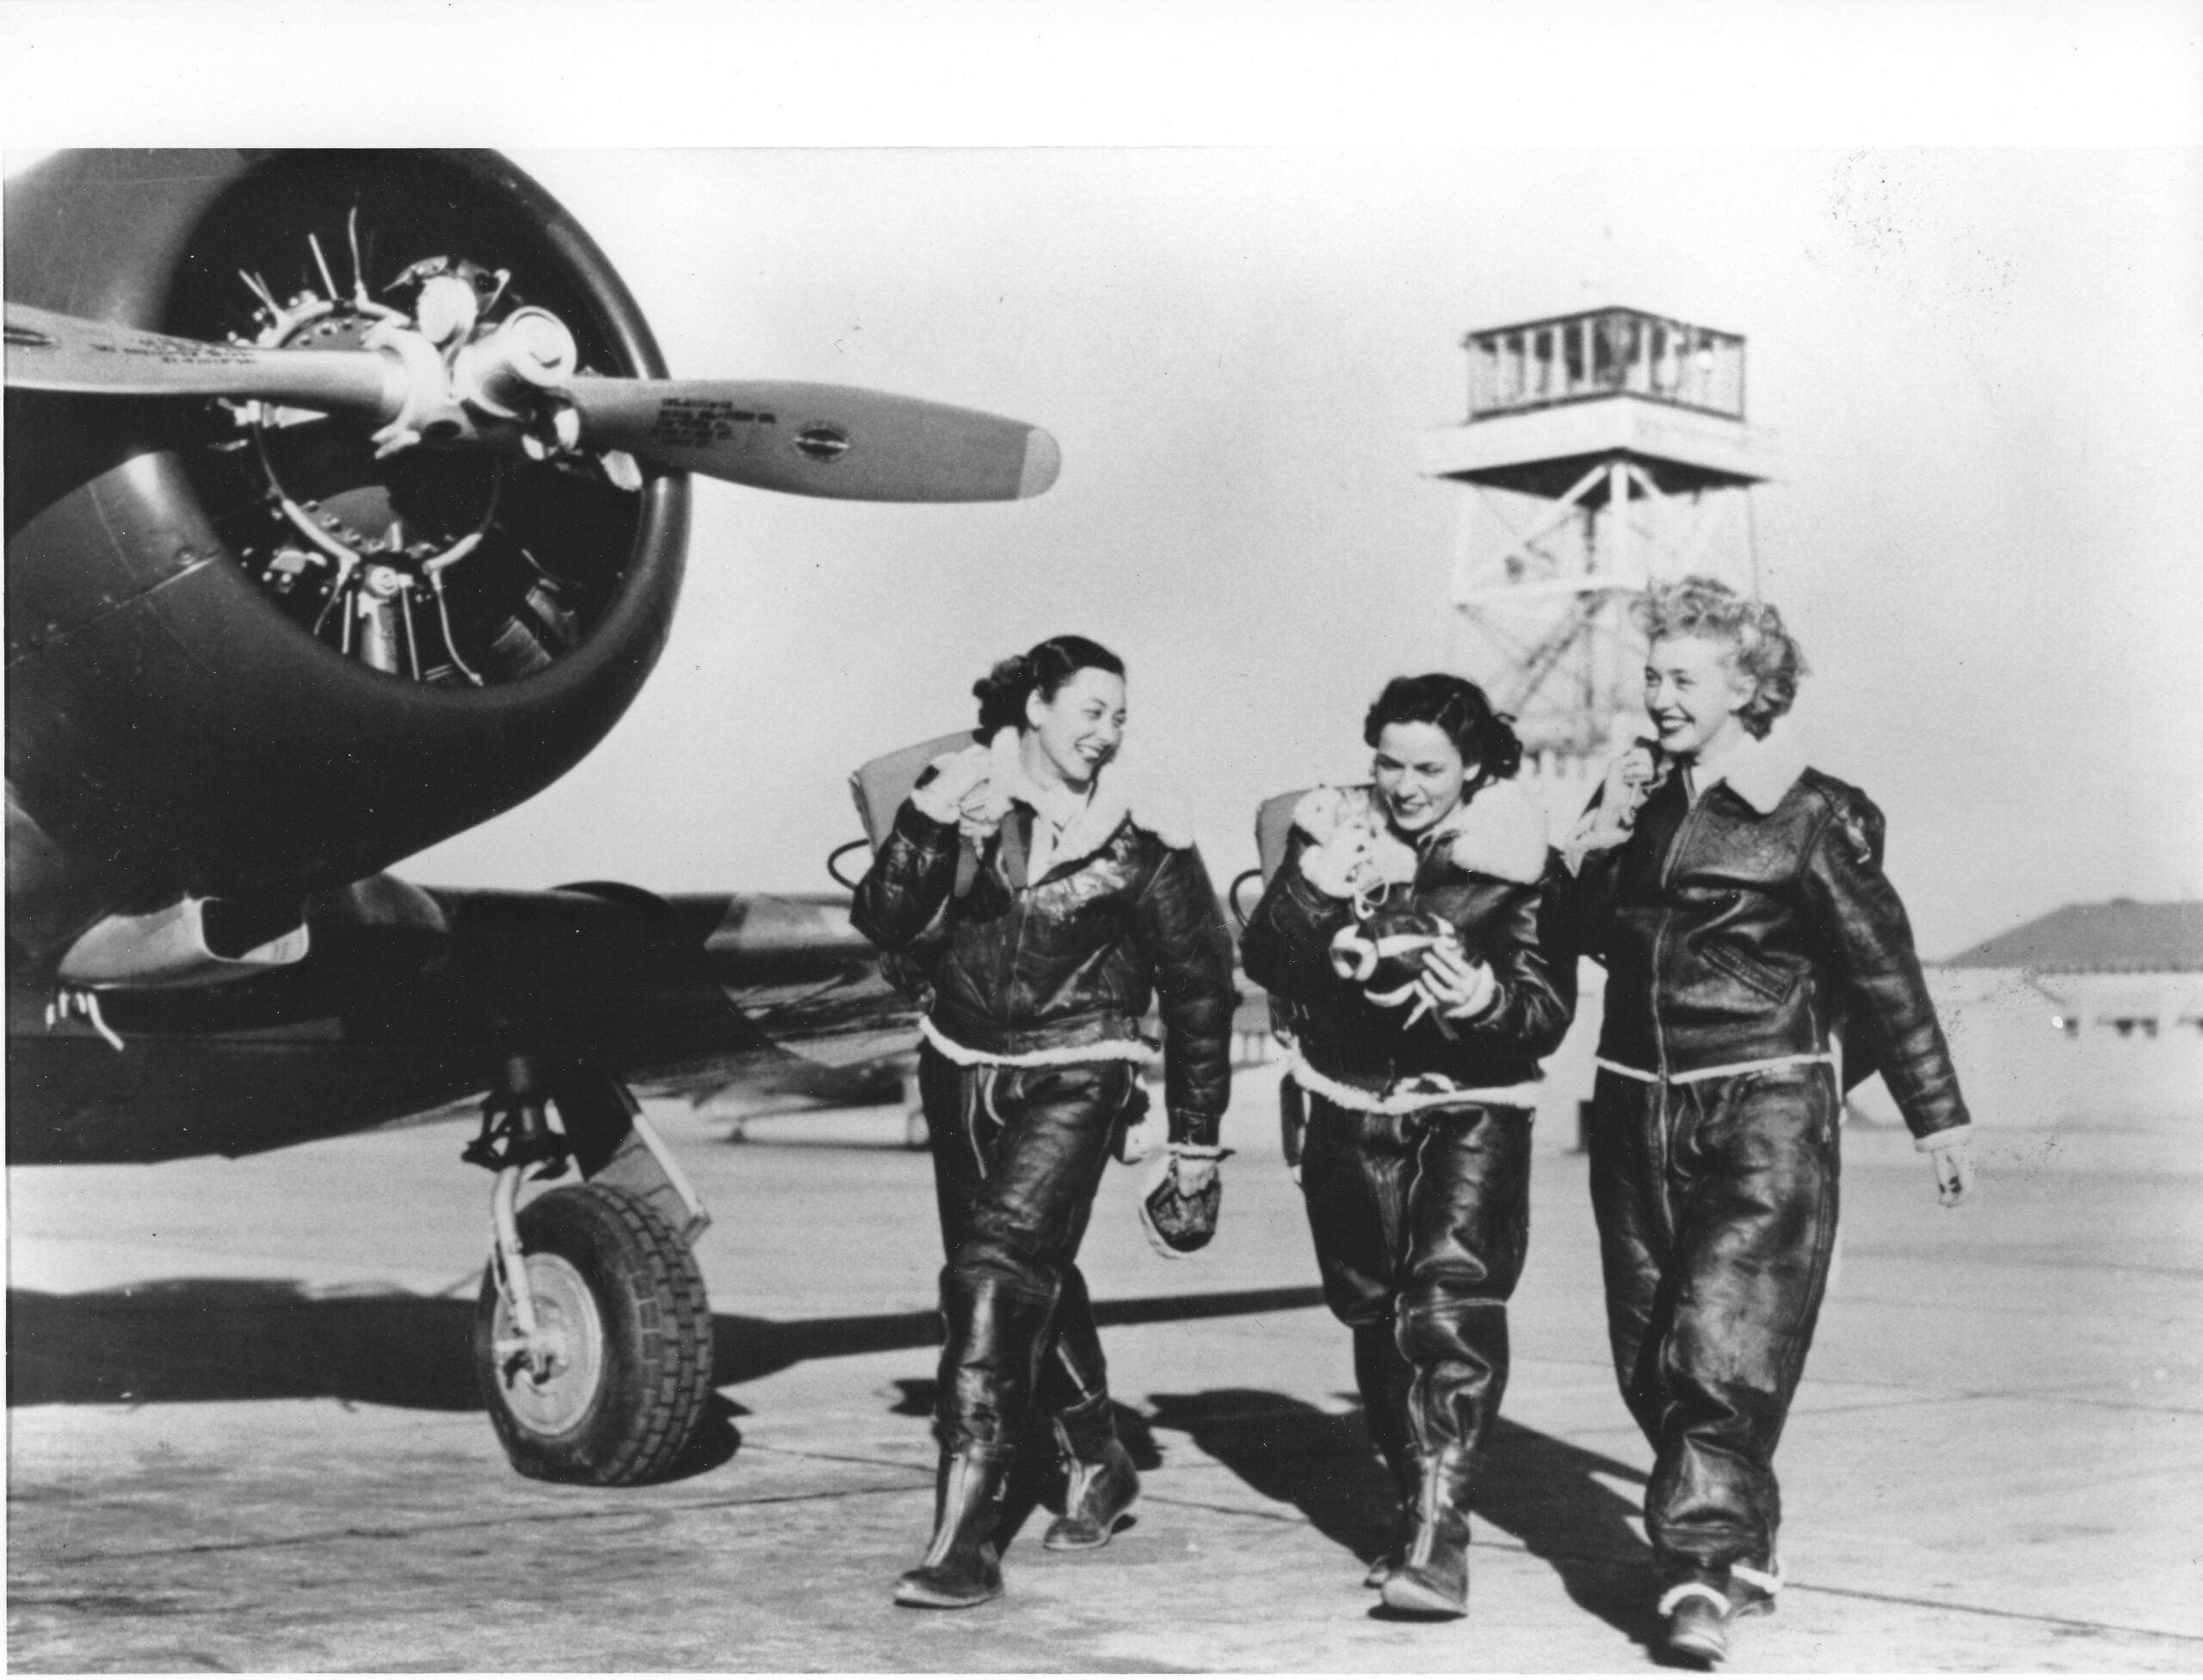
(347, 505)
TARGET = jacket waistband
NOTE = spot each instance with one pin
(1051, 1055)
(1727, 1070)
(1399, 1097)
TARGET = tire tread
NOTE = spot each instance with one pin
(640, 1442)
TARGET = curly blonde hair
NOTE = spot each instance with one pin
(1760, 649)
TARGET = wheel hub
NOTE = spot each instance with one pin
(570, 1331)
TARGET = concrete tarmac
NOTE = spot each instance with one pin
(243, 1434)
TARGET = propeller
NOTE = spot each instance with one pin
(517, 380)
(52, 352)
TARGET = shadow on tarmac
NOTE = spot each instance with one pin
(1548, 1495)
(752, 1348)
(1319, 1462)
(229, 1340)
(253, 1339)
(238, 1339)
(1544, 1491)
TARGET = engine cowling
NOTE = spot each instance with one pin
(248, 658)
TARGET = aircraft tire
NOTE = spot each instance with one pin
(621, 1407)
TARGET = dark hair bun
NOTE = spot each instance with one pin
(1001, 693)
(1046, 666)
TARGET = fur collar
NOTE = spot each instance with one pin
(1760, 770)
(1499, 833)
(1128, 786)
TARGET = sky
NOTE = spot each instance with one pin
(1979, 370)
(1979, 367)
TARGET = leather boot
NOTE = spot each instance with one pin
(1385, 1377)
(1432, 1579)
(1396, 1547)
(962, 1567)
(1406, 1478)
(1102, 1483)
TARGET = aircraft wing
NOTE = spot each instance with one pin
(408, 998)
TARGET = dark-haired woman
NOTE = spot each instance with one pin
(1402, 927)
(1045, 891)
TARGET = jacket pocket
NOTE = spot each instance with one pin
(1770, 984)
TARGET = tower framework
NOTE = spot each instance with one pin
(1602, 451)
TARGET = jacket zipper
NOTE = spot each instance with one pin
(1006, 968)
(1663, 1093)
(1660, 935)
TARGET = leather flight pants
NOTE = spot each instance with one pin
(1018, 1153)
(1420, 1223)
(1716, 1203)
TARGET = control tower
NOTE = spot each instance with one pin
(1601, 450)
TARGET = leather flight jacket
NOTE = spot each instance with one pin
(1012, 967)
(1287, 950)
(1737, 932)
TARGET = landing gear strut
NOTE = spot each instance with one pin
(592, 1333)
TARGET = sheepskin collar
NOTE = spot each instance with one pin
(1759, 770)
(1499, 831)
(1125, 786)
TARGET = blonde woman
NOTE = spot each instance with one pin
(1737, 899)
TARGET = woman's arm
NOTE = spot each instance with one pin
(909, 881)
(1533, 996)
(1286, 947)
(1861, 925)
(1180, 931)
(1580, 906)
(1580, 896)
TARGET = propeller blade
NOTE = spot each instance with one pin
(818, 440)
(52, 352)
(813, 440)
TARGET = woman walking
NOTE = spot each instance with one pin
(1043, 892)
(1401, 928)
(1754, 953)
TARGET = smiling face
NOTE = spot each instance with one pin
(1419, 774)
(1694, 692)
(1073, 735)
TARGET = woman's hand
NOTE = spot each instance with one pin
(980, 815)
(1607, 824)
(1461, 990)
(1953, 1171)
(958, 782)
(1627, 777)
(1178, 1208)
